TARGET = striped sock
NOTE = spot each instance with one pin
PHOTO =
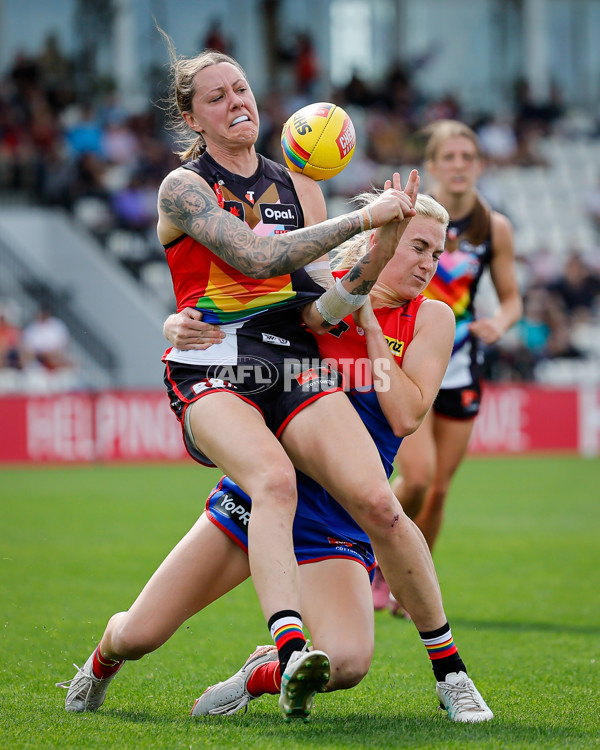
(442, 652)
(265, 679)
(286, 632)
(103, 667)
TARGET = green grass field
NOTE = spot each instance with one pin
(518, 560)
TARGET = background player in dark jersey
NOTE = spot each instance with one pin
(257, 436)
(477, 238)
(335, 554)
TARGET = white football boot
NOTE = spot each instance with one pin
(461, 699)
(230, 696)
(306, 673)
(86, 692)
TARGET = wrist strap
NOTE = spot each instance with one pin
(336, 303)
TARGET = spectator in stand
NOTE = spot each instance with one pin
(89, 179)
(498, 140)
(55, 73)
(11, 349)
(83, 131)
(216, 39)
(445, 108)
(135, 204)
(543, 333)
(577, 288)
(24, 74)
(306, 65)
(47, 341)
(357, 91)
(119, 143)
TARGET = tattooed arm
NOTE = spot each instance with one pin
(186, 204)
(361, 278)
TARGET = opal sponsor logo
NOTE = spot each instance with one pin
(279, 213)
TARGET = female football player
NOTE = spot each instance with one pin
(393, 360)
(478, 238)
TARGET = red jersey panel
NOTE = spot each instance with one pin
(346, 349)
(267, 202)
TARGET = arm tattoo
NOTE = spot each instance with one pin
(357, 271)
(364, 287)
(192, 207)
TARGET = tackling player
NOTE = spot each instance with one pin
(408, 342)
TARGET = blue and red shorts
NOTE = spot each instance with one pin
(322, 528)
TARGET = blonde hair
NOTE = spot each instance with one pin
(183, 71)
(440, 130)
(351, 251)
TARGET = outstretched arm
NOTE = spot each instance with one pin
(320, 316)
(186, 202)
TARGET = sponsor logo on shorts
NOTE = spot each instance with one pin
(235, 508)
(268, 338)
(279, 213)
(318, 379)
(338, 542)
(207, 383)
(469, 399)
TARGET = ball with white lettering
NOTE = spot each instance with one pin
(318, 140)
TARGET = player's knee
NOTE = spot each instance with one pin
(415, 488)
(348, 667)
(379, 510)
(132, 641)
(275, 486)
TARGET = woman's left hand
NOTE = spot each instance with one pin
(186, 330)
(488, 330)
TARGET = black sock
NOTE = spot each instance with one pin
(442, 652)
(286, 631)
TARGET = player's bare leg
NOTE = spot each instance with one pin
(344, 460)
(451, 440)
(399, 545)
(331, 590)
(201, 568)
(233, 434)
(415, 460)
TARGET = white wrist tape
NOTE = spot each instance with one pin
(336, 303)
(365, 212)
(320, 272)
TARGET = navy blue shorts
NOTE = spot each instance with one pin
(322, 528)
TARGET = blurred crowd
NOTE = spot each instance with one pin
(103, 164)
(37, 356)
